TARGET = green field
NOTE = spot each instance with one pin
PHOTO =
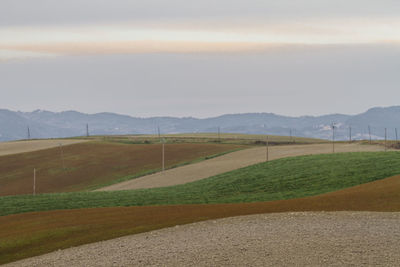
(275, 180)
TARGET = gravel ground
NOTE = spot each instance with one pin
(312, 239)
(8, 148)
(231, 161)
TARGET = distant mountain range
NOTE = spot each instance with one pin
(46, 124)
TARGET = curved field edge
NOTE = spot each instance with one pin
(90, 165)
(30, 234)
(285, 178)
(157, 170)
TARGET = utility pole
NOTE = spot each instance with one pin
(369, 132)
(267, 149)
(290, 133)
(62, 156)
(350, 133)
(87, 129)
(163, 154)
(385, 139)
(294, 135)
(29, 133)
(333, 138)
(34, 181)
(395, 129)
(158, 131)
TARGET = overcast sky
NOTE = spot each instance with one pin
(200, 58)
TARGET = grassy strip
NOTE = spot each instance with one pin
(224, 138)
(275, 180)
(30, 234)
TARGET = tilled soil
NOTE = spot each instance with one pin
(8, 148)
(305, 238)
(232, 161)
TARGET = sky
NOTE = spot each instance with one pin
(199, 58)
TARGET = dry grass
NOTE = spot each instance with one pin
(30, 234)
(8, 148)
(91, 164)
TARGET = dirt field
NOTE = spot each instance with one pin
(8, 148)
(281, 239)
(92, 163)
(36, 233)
(232, 161)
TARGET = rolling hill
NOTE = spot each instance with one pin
(46, 124)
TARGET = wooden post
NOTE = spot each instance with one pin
(34, 181)
(385, 139)
(350, 134)
(163, 155)
(267, 150)
(369, 132)
(333, 138)
(395, 129)
(62, 157)
(294, 136)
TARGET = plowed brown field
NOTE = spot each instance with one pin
(29, 234)
(92, 163)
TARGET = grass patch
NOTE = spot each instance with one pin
(275, 180)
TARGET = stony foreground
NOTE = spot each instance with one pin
(307, 238)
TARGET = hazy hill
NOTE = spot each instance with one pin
(46, 124)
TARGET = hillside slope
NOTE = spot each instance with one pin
(36, 233)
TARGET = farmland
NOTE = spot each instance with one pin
(275, 180)
(298, 177)
(35, 233)
(85, 166)
(233, 161)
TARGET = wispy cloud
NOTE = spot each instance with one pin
(127, 38)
